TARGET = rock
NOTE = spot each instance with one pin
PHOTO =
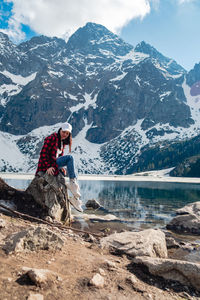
(33, 239)
(35, 297)
(132, 279)
(110, 264)
(97, 281)
(192, 208)
(89, 238)
(51, 193)
(102, 272)
(92, 204)
(171, 243)
(135, 283)
(2, 223)
(102, 218)
(40, 276)
(148, 242)
(187, 219)
(185, 272)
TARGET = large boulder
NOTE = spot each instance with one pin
(148, 242)
(51, 193)
(33, 239)
(185, 272)
(187, 219)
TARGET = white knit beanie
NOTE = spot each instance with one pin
(66, 127)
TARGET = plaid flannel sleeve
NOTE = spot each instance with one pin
(48, 152)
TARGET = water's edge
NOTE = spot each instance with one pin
(148, 178)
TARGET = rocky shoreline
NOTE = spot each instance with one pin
(42, 262)
(42, 258)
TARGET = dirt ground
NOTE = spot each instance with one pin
(75, 265)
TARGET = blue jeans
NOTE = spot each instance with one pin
(67, 161)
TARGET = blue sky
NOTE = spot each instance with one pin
(171, 26)
(173, 29)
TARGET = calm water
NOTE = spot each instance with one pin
(136, 204)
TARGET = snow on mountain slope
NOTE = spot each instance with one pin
(12, 159)
(87, 155)
(18, 79)
(194, 103)
(14, 87)
(21, 153)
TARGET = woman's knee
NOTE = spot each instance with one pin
(69, 158)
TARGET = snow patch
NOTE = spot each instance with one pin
(18, 79)
(11, 156)
(89, 101)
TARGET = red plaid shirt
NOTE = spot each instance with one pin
(48, 154)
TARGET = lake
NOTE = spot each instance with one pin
(136, 204)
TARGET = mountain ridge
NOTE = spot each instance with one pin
(112, 93)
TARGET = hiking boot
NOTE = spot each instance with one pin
(76, 203)
(73, 186)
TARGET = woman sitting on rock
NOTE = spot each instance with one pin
(52, 161)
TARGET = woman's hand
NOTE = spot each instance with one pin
(50, 171)
(64, 171)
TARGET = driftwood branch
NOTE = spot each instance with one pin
(62, 227)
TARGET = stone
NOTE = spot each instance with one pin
(171, 243)
(2, 223)
(187, 219)
(40, 276)
(35, 297)
(97, 281)
(92, 204)
(110, 264)
(132, 279)
(33, 239)
(102, 272)
(89, 238)
(187, 273)
(51, 193)
(149, 242)
(191, 208)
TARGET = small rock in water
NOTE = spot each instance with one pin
(92, 204)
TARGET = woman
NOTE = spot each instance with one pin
(52, 160)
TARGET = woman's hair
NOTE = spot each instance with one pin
(67, 141)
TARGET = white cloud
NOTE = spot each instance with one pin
(14, 30)
(61, 17)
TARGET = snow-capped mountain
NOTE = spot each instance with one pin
(120, 100)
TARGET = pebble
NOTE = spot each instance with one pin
(110, 264)
(97, 281)
(35, 297)
(102, 272)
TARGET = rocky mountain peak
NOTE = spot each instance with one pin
(169, 64)
(5, 43)
(3, 37)
(147, 49)
(94, 36)
(41, 42)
